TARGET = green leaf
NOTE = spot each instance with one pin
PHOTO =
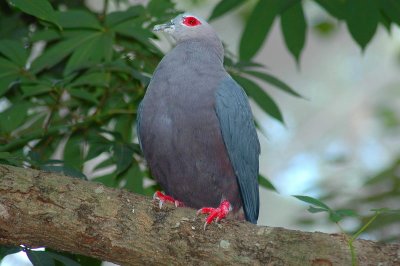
(293, 25)
(14, 51)
(40, 258)
(134, 179)
(6, 78)
(123, 156)
(161, 9)
(4, 155)
(391, 8)
(124, 125)
(7, 250)
(73, 154)
(334, 217)
(264, 182)
(12, 159)
(41, 9)
(346, 212)
(312, 201)
(46, 34)
(66, 261)
(362, 17)
(59, 51)
(248, 64)
(385, 21)
(9, 72)
(14, 116)
(103, 51)
(93, 79)
(260, 97)
(130, 29)
(324, 27)
(91, 52)
(119, 66)
(316, 210)
(287, 4)
(107, 180)
(334, 7)
(273, 81)
(257, 28)
(5, 83)
(114, 18)
(6, 65)
(11, 24)
(97, 145)
(223, 7)
(73, 19)
(85, 260)
(83, 94)
(34, 90)
(338, 215)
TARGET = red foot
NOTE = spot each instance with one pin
(216, 213)
(161, 197)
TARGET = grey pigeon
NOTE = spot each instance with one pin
(196, 128)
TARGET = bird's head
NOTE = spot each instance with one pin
(187, 27)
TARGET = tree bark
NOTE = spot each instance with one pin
(47, 209)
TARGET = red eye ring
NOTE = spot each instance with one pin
(191, 21)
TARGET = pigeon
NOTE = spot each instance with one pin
(196, 129)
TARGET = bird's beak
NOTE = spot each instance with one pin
(165, 27)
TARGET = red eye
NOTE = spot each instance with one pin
(191, 21)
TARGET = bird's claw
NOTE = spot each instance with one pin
(162, 198)
(215, 213)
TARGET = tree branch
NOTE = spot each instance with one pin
(48, 209)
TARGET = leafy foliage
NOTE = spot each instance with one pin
(264, 182)
(293, 24)
(41, 9)
(70, 84)
(7, 250)
(257, 29)
(81, 87)
(337, 215)
(361, 16)
(318, 206)
(223, 7)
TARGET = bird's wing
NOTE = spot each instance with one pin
(241, 141)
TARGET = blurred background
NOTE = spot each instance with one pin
(340, 142)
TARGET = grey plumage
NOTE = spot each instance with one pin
(241, 141)
(195, 125)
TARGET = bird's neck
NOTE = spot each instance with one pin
(213, 47)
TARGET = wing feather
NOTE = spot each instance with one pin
(240, 137)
